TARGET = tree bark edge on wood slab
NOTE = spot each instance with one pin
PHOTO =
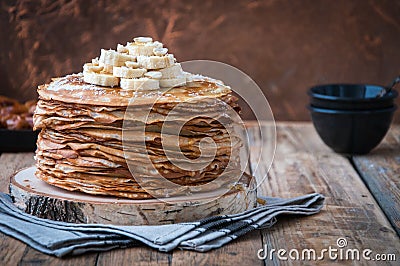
(127, 212)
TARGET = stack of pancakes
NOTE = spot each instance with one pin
(126, 143)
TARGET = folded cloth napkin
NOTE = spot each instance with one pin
(61, 239)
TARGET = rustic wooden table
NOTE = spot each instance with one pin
(362, 206)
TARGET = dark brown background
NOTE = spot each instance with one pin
(285, 46)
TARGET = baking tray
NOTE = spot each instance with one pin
(18, 140)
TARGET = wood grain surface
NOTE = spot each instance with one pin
(380, 171)
(285, 46)
(302, 164)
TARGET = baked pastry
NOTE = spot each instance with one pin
(132, 120)
(15, 115)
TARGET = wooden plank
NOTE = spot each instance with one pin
(303, 165)
(290, 139)
(242, 251)
(33, 257)
(380, 171)
(261, 151)
(10, 163)
(134, 256)
(12, 251)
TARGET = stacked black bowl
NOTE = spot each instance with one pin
(352, 118)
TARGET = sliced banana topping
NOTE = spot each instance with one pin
(140, 84)
(129, 73)
(137, 50)
(173, 82)
(95, 61)
(153, 74)
(132, 64)
(142, 64)
(143, 39)
(145, 49)
(160, 51)
(108, 69)
(157, 44)
(90, 67)
(100, 79)
(122, 49)
(156, 62)
(114, 58)
(172, 71)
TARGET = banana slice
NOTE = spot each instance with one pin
(146, 49)
(137, 50)
(95, 61)
(132, 64)
(173, 82)
(122, 49)
(160, 51)
(129, 73)
(107, 68)
(139, 84)
(143, 39)
(92, 67)
(156, 62)
(158, 44)
(100, 79)
(153, 74)
(172, 71)
(113, 58)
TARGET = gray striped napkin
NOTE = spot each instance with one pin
(62, 239)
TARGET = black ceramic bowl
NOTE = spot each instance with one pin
(352, 132)
(351, 97)
(18, 140)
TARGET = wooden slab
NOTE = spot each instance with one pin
(38, 198)
(380, 171)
